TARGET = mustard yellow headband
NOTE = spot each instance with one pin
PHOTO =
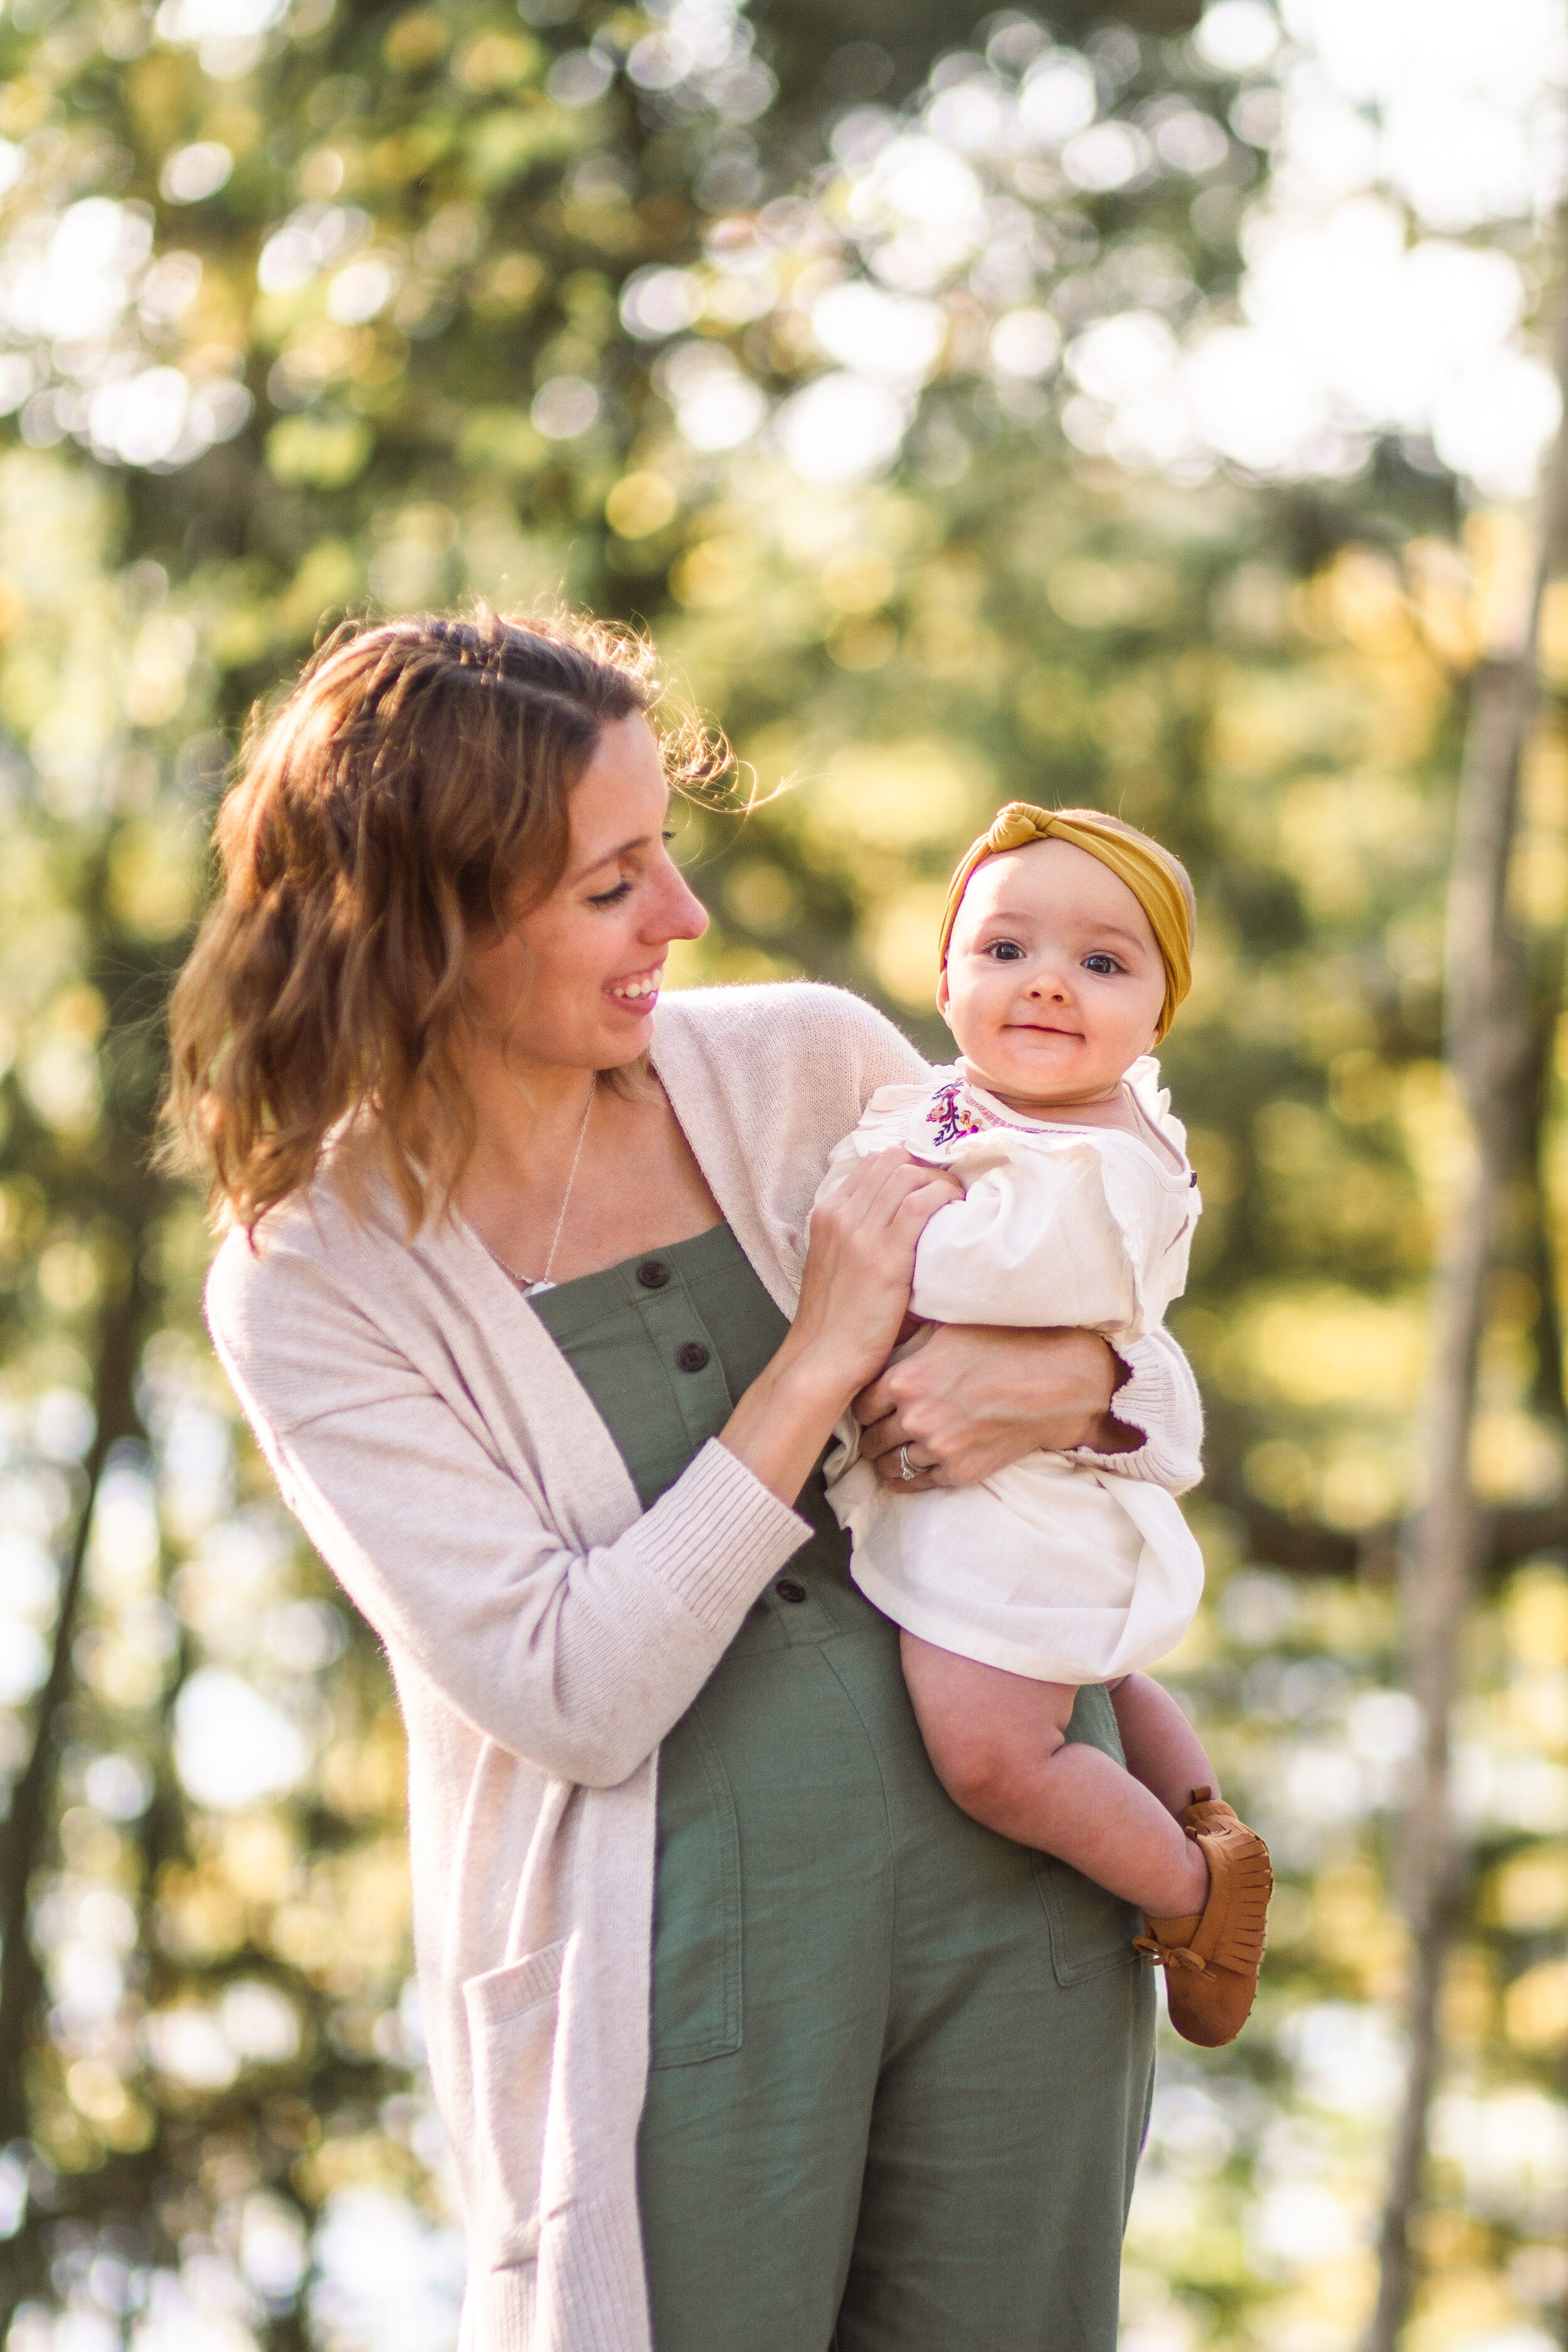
(1139, 862)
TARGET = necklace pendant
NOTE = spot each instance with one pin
(532, 1290)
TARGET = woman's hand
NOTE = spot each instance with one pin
(853, 1295)
(974, 1397)
(854, 1291)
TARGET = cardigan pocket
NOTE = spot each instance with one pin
(697, 1903)
(512, 2013)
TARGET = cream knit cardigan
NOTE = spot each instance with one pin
(544, 1633)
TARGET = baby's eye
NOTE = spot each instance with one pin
(1101, 963)
(1004, 951)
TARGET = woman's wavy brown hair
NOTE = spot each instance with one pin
(408, 795)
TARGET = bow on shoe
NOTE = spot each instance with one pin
(1167, 1955)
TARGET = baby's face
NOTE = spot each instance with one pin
(1054, 982)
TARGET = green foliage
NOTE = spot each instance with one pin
(355, 314)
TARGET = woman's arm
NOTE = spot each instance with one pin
(1044, 1246)
(579, 1659)
(977, 1397)
(1159, 1409)
(853, 1295)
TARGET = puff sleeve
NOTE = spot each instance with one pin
(1033, 1241)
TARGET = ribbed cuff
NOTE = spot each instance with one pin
(500, 2310)
(1159, 1398)
(610, 2280)
(717, 1534)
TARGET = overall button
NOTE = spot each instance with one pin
(652, 1274)
(693, 1355)
(788, 1590)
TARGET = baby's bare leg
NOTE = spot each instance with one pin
(1161, 1748)
(997, 1743)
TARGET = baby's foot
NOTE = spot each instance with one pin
(1211, 1958)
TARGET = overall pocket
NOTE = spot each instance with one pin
(512, 2016)
(696, 1904)
(1090, 1931)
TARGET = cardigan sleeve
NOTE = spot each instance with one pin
(1160, 1397)
(579, 1660)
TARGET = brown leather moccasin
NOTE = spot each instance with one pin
(1211, 1959)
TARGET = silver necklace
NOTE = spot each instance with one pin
(530, 1290)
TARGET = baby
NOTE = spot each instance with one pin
(1066, 949)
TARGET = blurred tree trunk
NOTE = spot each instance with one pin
(1492, 1023)
(121, 1332)
(115, 1191)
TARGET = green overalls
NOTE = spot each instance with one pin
(901, 2067)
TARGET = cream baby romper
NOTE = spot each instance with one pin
(1052, 1567)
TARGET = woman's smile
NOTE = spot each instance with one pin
(639, 990)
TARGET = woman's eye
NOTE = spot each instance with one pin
(611, 898)
(1100, 963)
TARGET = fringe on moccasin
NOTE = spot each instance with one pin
(1212, 1958)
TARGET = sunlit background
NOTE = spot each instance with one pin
(1140, 409)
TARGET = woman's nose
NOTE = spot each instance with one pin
(679, 912)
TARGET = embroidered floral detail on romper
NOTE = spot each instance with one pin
(950, 1116)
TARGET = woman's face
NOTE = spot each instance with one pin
(573, 985)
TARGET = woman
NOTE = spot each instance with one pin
(518, 1300)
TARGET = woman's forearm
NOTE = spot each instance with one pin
(785, 1418)
(1106, 1431)
(974, 1397)
(853, 1296)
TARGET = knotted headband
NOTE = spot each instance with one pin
(1139, 862)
